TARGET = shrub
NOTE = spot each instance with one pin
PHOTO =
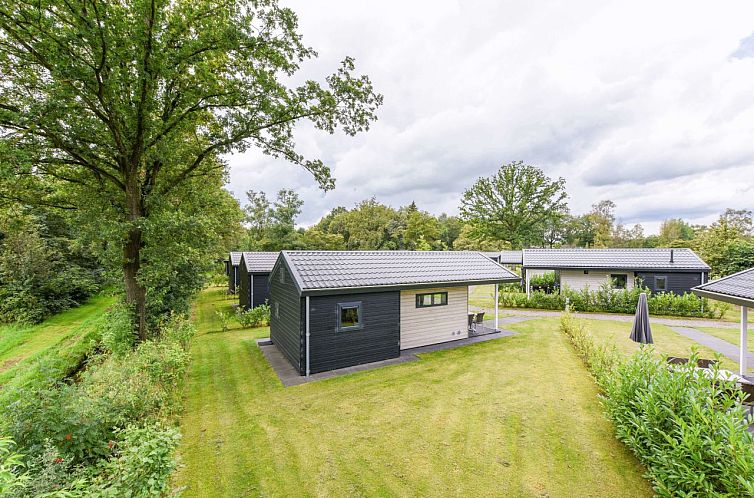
(118, 333)
(142, 463)
(688, 429)
(601, 360)
(608, 300)
(13, 476)
(71, 428)
(545, 281)
(224, 319)
(255, 317)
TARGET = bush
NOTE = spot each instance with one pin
(118, 333)
(13, 476)
(688, 429)
(600, 360)
(70, 429)
(544, 282)
(255, 317)
(609, 300)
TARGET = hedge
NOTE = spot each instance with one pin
(609, 300)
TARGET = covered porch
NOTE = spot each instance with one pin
(737, 289)
(483, 309)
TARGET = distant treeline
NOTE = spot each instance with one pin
(490, 220)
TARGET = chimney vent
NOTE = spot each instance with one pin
(671, 255)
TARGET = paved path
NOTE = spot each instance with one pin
(723, 347)
(679, 322)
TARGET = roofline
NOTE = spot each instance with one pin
(415, 285)
(703, 265)
(726, 298)
(635, 268)
(291, 269)
(243, 260)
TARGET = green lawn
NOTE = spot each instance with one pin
(518, 416)
(20, 345)
(666, 340)
(731, 335)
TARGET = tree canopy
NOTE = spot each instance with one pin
(121, 110)
(516, 205)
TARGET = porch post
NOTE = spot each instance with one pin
(528, 284)
(497, 305)
(742, 366)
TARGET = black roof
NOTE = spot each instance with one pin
(737, 288)
(349, 270)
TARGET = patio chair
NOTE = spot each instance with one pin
(479, 319)
(701, 362)
(472, 324)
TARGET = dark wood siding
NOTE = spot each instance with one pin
(243, 286)
(261, 288)
(286, 317)
(379, 339)
(678, 282)
(233, 278)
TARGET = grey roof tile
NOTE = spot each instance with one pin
(260, 262)
(634, 259)
(511, 257)
(739, 284)
(318, 270)
(235, 258)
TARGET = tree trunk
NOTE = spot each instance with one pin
(136, 294)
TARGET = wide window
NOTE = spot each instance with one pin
(619, 280)
(661, 284)
(432, 299)
(349, 316)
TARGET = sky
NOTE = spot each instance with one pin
(649, 104)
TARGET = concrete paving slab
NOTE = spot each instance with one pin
(289, 376)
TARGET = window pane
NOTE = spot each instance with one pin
(349, 316)
(662, 283)
(426, 299)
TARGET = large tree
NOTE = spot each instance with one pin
(515, 205)
(122, 108)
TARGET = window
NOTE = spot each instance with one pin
(282, 275)
(277, 309)
(349, 316)
(433, 299)
(619, 280)
(586, 272)
(661, 284)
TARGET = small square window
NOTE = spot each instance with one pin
(661, 284)
(349, 316)
(586, 272)
(619, 280)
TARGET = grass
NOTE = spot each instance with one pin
(22, 345)
(666, 340)
(733, 314)
(730, 335)
(518, 416)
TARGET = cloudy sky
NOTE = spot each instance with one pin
(650, 104)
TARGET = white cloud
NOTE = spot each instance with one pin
(641, 102)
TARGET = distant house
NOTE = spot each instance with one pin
(335, 309)
(659, 269)
(254, 278)
(231, 270)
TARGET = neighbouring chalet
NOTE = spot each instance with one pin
(335, 309)
(254, 278)
(674, 270)
(231, 270)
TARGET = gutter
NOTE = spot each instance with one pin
(308, 370)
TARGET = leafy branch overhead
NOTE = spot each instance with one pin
(99, 89)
